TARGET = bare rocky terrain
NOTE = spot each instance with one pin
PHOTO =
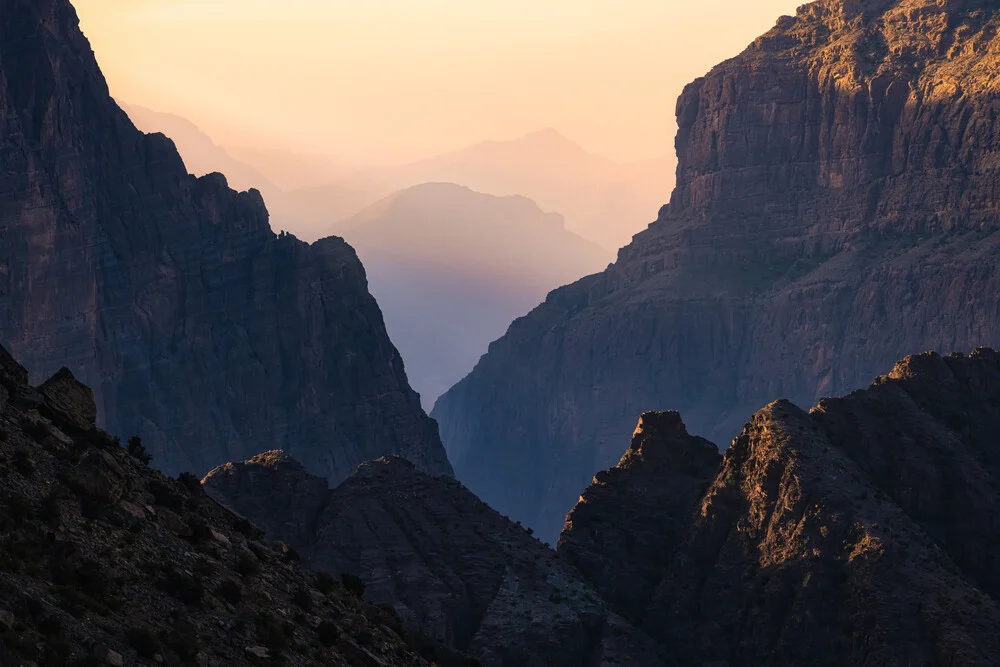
(448, 564)
(835, 210)
(170, 295)
(106, 561)
(860, 532)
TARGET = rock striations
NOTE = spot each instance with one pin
(835, 209)
(449, 565)
(860, 533)
(620, 534)
(105, 561)
(195, 324)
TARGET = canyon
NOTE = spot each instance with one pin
(196, 325)
(835, 210)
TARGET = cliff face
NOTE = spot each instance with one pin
(855, 534)
(444, 560)
(105, 561)
(835, 209)
(198, 327)
(621, 532)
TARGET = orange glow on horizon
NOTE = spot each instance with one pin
(389, 81)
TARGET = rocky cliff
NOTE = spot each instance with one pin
(621, 533)
(197, 326)
(835, 209)
(859, 533)
(449, 565)
(105, 561)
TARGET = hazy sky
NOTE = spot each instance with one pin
(394, 80)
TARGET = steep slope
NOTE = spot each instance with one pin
(858, 533)
(451, 268)
(169, 294)
(835, 209)
(104, 561)
(201, 155)
(621, 533)
(307, 208)
(446, 562)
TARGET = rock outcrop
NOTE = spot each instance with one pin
(620, 534)
(449, 565)
(105, 561)
(195, 324)
(859, 533)
(835, 209)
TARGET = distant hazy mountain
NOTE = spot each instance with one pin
(451, 268)
(289, 170)
(307, 211)
(602, 200)
(200, 153)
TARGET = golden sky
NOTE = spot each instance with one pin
(377, 81)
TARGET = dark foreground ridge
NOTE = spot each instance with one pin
(449, 565)
(105, 561)
(859, 533)
(863, 532)
(195, 324)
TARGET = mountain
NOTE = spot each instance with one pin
(446, 562)
(200, 153)
(861, 532)
(197, 326)
(291, 171)
(105, 561)
(835, 209)
(601, 200)
(308, 206)
(451, 268)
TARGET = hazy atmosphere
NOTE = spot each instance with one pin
(394, 81)
(332, 109)
(360, 333)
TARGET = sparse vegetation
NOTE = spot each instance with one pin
(328, 633)
(353, 584)
(190, 482)
(230, 591)
(302, 598)
(138, 450)
(247, 565)
(325, 583)
(143, 641)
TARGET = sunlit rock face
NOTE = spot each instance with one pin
(197, 327)
(861, 532)
(835, 209)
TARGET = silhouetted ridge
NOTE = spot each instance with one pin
(443, 559)
(858, 533)
(170, 295)
(105, 561)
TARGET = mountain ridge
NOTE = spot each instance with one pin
(195, 324)
(834, 210)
